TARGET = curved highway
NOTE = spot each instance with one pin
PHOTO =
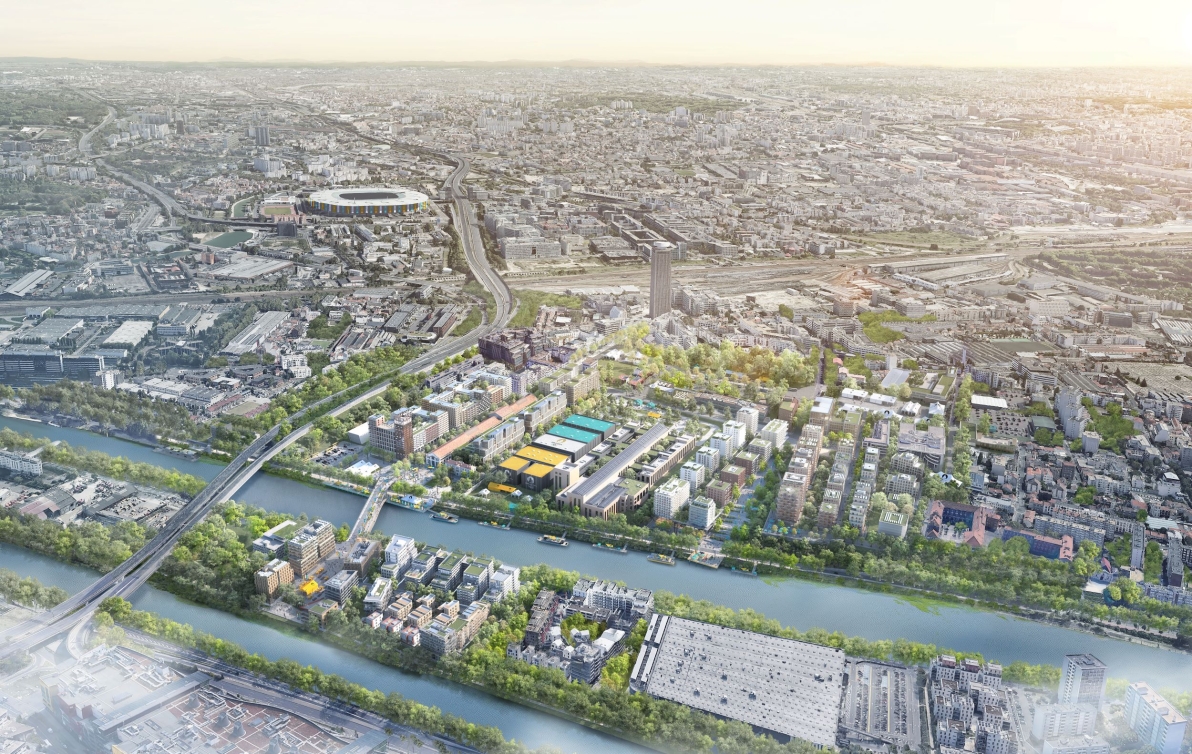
(126, 578)
(167, 202)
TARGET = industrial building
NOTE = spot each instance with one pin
(587, 489)
(130, 333)
(251, 337)
(789, 689)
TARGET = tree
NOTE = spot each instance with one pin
(984, 424)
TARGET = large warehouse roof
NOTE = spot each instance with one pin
(787, 687)
(130, 333)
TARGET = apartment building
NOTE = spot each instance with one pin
(693, 472)
(310, 545)
(1156, 722)
(270, 579)
(667, 460)
(670, 498)
(499, 439)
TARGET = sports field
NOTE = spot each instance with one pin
(228, 240)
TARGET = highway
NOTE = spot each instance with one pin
(130, 575)
(167, 202)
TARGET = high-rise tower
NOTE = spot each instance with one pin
(660, 281)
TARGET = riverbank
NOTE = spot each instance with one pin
(57, 420)
(116, 611)
(484, 666)
(63, 454)
(264, 638)
(1067, 620)
(799, 602)
(206, 469)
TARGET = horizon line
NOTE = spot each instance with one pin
(576, 63)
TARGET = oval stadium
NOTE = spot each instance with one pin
(381, 200)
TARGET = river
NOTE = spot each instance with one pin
(112, 446)
(535, 729)
(794, 602)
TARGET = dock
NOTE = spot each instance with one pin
(709, 559)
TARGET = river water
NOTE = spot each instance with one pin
(112, 446)
(536, 729)
(793, 602)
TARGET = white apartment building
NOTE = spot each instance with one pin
(1063, 721)
(737, 431)
(399, 554)
(693, 472)
(295, 364)
(670, 498)
(748, 416)
(708, 457)
(1051, 307)
(1076, 745)
(1153, 718)
(775, 433)
(724, 444)
(702, 513)
(20, 463)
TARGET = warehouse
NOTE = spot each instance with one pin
(130, 333)
(52, 332)
(790, 689)
(28, 282)
(589, 440)
(117, 311)
(250, 268)
(251, 337)
(571, 449)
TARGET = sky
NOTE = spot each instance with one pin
(952, 33)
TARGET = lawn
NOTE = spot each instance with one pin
(1112, 426)
(228, 240)
(470, 323)
(529, 302)
(875, 328)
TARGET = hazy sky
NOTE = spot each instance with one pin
(933, 32)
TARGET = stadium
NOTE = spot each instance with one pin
(379, 200)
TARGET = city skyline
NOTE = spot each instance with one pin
(762, 349)
(663, 32)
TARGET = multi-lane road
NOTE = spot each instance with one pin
(167, 202)
(130, 575)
